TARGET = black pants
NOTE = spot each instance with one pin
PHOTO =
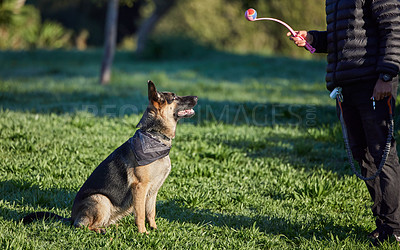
(367, 131)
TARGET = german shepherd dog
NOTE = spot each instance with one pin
(128, 180)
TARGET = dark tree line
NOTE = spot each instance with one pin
(161, 8)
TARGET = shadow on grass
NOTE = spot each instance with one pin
(104, 103)
(304, 151)
(263, 114)
(42, 63)
(321, 228)
(23, 193)
(114, 102)
(18, 193)
(208, 63)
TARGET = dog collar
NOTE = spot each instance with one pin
(147, 148)
(158, 134)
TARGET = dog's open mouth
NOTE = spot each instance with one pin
(186, 113)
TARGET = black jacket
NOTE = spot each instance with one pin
(362, 40)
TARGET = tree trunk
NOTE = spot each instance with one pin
(162, 7)
(18, 5)
(109, 41)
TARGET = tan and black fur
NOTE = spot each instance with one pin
(119, 186)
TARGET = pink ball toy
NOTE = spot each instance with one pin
(251, 14)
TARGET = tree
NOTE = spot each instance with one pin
(8, 9)
(110, 40)
(162, 8)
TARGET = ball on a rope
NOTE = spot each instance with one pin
(250, 14)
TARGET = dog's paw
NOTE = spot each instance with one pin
(144, 232)
(153, 225)
(99, 230)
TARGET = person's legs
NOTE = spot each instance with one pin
(368, 130)
(359, 146)
(386, 187)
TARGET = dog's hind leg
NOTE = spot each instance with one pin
(94, 213)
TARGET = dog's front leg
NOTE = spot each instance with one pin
(139, 206)
(151, 210)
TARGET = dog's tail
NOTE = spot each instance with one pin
(43, 216)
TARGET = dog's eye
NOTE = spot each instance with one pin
(171, 99)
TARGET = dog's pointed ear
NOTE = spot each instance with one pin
(152, 91)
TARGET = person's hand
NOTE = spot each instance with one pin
(298, 41)
(382, 89)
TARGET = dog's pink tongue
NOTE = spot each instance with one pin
(186, 112)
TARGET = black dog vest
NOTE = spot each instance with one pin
(146, 148)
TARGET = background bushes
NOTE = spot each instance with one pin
(21, 27)
(217, 24)
(221, 23)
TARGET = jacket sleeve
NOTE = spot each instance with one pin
(319, 41)
(387, 16)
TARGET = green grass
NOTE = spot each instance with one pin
(261, 165)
